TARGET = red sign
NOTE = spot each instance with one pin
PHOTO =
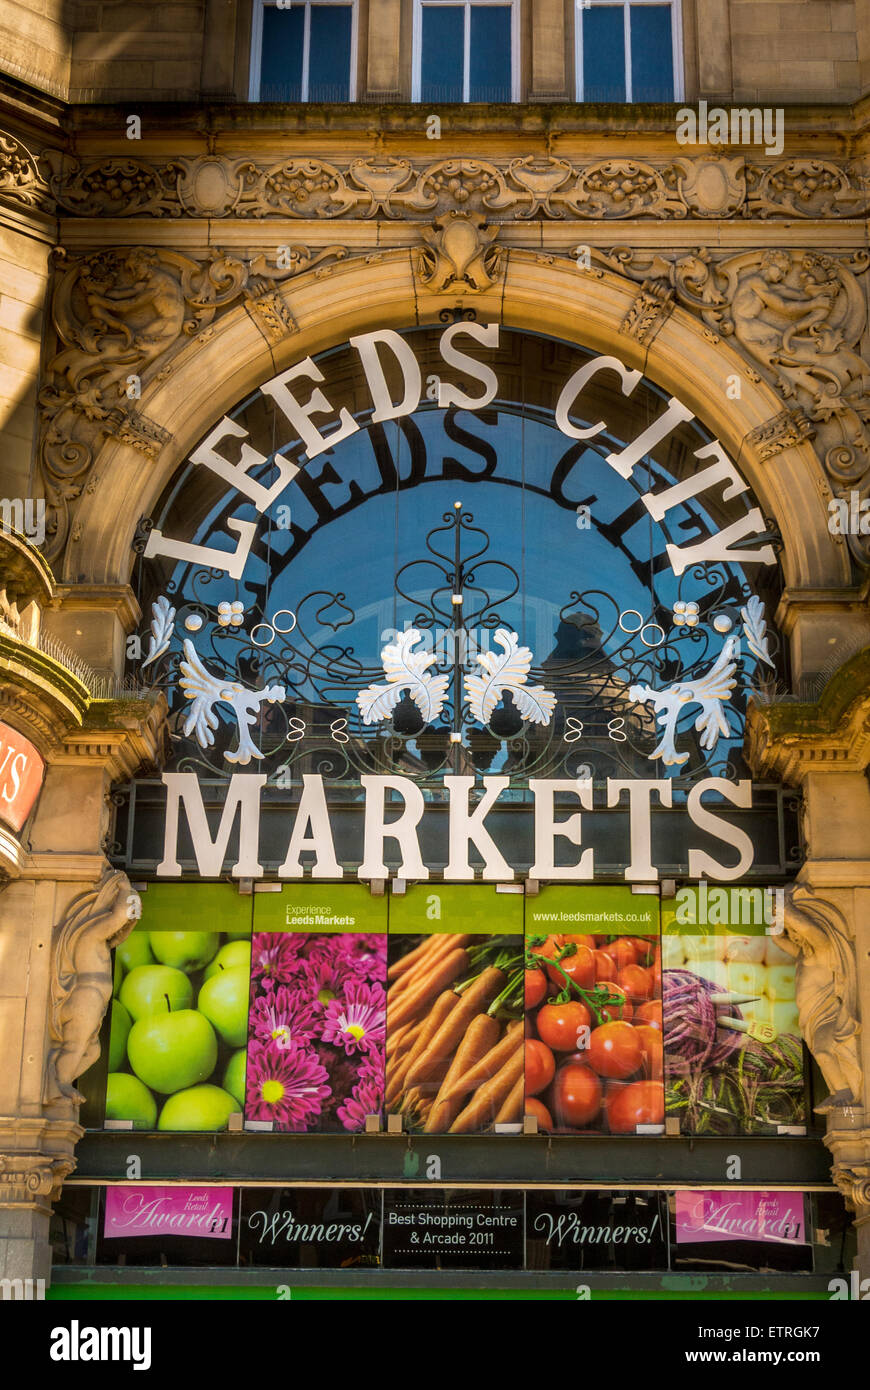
(21, 773)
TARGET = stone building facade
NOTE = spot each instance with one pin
(167, 244)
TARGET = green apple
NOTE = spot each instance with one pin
(155, 989)
(234, 1076)
(136, 950)
(224, 1001)
(203, 1108)
(170, 1052)
(128, 1099)
(120, 1027)
(185, 950)
(234, 953)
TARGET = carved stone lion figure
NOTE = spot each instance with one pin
(826, 992)
(81, 983)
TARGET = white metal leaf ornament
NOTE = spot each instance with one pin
(708, 691)
(207, 690)
(405, 670)
(509, 671)
(162, 627)
(755, 630)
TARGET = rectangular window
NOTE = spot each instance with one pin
(304, 50)
(628, 50)
(466, 52)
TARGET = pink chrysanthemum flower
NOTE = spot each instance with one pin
(285, 1085)
(275, 957)
(356, 1021)
(366, 954)
(367, 1099)
(281, 1017)
(325, 977)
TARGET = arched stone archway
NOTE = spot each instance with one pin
(539, 293)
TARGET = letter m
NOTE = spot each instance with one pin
(12, 1288)
(12, 514)
(746, 126)
(243, 794)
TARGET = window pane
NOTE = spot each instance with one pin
(490, 53)
(329, 54)
(442, 57)
(603, 53)
(652, 54)
(281, 63)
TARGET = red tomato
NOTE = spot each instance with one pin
(651, 1042)
(650, 1013)
(559, 1024)
(638, 1103)
(623, 1010)
(579, 967)
(588, 941)
(637, 982)
(540, 1111)
(549, 947)
(605, 966)
(575, 1059)
(622, 950)
(575, 1097)
(535, 988)
(645, 947)
(540, 1066)
(615, 1050)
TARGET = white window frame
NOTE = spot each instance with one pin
(257, 43)
(417, 38)
(676, 40)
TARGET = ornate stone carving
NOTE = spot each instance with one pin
(459, 257)
(826, 991)
(32, 1179)
(780, 432)
(799, 317)
(20, 177)
(648, 313)
(121, 315)
(81, 979)
(854, 1183)
(536, 185)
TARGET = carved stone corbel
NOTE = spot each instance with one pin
(458, 256)
(780, 432)
(648, 312)
(81, 980)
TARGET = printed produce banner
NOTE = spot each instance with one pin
(179, 1011)
(740, 1215)
(593, 1006)
(733, 1052)
(455, 1009)
(154, 1211)
(317, 1018)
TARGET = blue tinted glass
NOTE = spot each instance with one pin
(281, 64)
(652, 55)
(442, 54)
(329, 53)
(490, 53)
(603, 53)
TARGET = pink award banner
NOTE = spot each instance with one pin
(704, 1216)
(182, 1211)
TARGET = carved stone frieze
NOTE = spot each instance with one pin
(20, 178)
(798, 318)
(781, 432)
(534, 186)
(120, 317)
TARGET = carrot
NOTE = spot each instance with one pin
(488, 1100)
(446, 943)
(425, 1092)
(487, 1066)
(479, 1037)
(442, 1007)
(402, 1039)
(512, 1109)
(417, 999)
(400, 966)
(446, 1040)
